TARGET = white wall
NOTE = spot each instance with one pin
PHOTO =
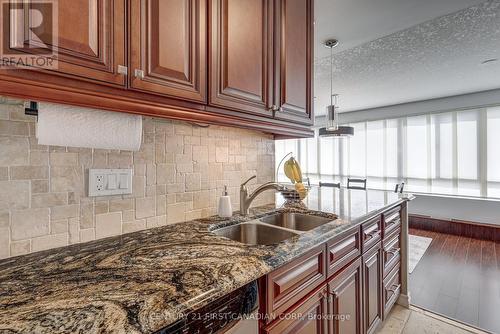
(476, 210)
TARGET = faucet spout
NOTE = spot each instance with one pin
(246, 200)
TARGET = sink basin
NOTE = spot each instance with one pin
(295, 221)
(254, 234)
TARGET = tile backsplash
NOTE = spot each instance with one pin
(179, 174)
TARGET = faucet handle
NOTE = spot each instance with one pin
(250, 179)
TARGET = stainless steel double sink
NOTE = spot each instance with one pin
(272, 229)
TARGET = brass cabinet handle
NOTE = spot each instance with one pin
(139, 74)
(122, 70)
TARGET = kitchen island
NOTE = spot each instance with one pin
(141, 282)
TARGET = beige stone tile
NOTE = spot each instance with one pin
(201, 199)
(17, 114)
(400, 312)
(120, 160)
(14, 151)
(195, 214)
(145, 207)
(39, 158)
(49, 241)
(4, 243)
(29, 223)
(101, 207)
(87, 235)
(86, 215)
(14, 194)
(48, 200)
(161, 205)
(4, 219)
(193, 182)
(108, 224)
(422, 324)
(74, 230)
(4, 173)
(59, 226)
(221, 154)
(165, 173)
(150, 174)
(14, 128)
(64, 212)
(185, 167)
(121, 205)
(176, 213)
(65, 178)
(20, 247)
(39, 186)
(63, 159)
(134, 226)
(138, 186)
(183, 129)
(200, 154)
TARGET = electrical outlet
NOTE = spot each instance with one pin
(108, 182)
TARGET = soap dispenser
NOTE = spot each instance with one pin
(225, 209)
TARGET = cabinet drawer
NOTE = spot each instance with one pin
(342, 250)
(391, 251)
(392, 288)
(293, 281)
(392, 220)
(371, 233)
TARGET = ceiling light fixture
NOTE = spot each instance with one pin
(333, 129)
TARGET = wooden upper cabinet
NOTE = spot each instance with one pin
(240, 55)
(294, 60)
(168, 48)
(88, 37)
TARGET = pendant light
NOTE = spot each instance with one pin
(333, 129)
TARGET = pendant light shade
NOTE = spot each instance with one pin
(333, 129)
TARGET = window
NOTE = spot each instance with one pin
(454, 153)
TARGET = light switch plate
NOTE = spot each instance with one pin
(107, 182)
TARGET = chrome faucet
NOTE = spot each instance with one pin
(246, 200)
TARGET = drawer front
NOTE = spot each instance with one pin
(392, 288)
(392, 220)
(342, 250)
(391, 251)
(371, 233)
(293, 281)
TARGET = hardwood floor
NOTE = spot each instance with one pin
(459, 277)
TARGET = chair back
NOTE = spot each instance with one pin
(329, 184)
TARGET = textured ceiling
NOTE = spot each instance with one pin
(437, 58)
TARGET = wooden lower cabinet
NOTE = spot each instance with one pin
(345, 301)
(336, 288)
(307, 318)
(372, 289)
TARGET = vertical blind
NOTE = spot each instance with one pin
(453, 153)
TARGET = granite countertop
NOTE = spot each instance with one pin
(141, 282)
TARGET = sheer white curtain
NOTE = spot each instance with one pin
(454, 153)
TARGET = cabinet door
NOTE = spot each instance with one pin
(372, 289)
(240, 55)
(168, 47)
(345, 301)
(307, 318)
(294, 60)
(86, 36)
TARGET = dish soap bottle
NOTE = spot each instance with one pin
(225, 209)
